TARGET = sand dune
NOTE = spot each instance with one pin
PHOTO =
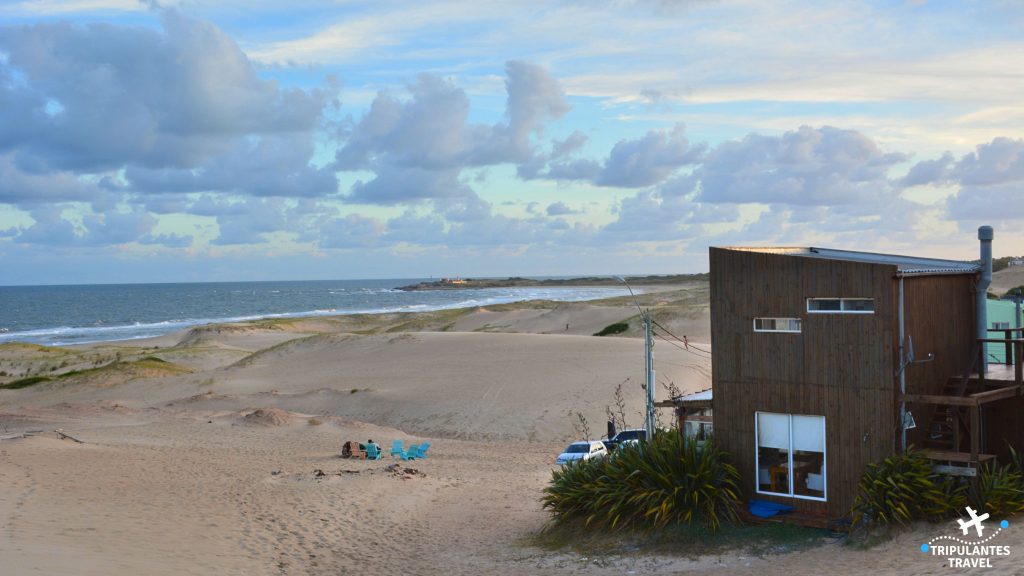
(228, 463)
(1007, 279)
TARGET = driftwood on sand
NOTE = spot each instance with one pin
(63, 436)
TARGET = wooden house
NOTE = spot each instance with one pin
(827, 360)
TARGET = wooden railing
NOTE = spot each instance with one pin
(965, 407)
(992, 352)
(1014, 348)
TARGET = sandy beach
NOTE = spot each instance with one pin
(216, 451)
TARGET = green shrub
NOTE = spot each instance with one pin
(998, 490)
(666, 481)
(24, 382)
(903, 488)
(1016, 461)
(617, 328)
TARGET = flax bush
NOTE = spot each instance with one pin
(999, 490)
(667, 481)
(902, 488)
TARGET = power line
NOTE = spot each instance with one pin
(702, 370)
(666, 340)
(683, 348)
(685, 342)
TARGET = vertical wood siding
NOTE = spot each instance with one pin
(938, 313)
(841, 366)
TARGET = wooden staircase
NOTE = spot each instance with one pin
(954, 436)
(947, 427)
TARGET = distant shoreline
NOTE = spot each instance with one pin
(131, 312)
(518, 282)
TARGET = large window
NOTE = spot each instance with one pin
(841, 305)
(777, 325)
(791, 455)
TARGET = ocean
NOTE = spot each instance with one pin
(63, 315)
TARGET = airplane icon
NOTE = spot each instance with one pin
(975, 521)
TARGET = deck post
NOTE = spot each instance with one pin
(981, 365)
(955, 413)
(1018, 362)
(975, 433)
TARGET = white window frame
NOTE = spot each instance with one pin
(797, 331)
(1000, 325)
(842, 306)
(789, 455)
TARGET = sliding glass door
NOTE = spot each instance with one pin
(790, 455)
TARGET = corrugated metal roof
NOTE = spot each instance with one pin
(906, 265)
(702, 396)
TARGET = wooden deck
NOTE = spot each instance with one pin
(997, 372)
(961, 457)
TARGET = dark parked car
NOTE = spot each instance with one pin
(625, 436)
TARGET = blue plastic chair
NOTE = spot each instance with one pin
(397, 449)
(410, 454)
(372, 452)
(421, 452)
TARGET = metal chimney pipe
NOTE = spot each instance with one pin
(985, 235)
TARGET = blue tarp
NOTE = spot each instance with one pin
(766, 509)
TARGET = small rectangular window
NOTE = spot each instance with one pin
(1001, 325)
(791, 325)
(841, 305)
(824, 305)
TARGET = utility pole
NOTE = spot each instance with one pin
(645, 317)
(649, 372)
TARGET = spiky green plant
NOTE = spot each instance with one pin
(648, 485)
(902, 488)
(998, 490)
(1016, 461)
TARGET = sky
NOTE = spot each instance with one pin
(181, 141)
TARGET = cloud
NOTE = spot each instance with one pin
(534, 97)
(102, 113)
(245, 222)
(418, 148)
(167, 240)
(415, 229)
(560, 209)
(1002, 203)
(632, 163)
(652, 215)
(647, 160)
(158, 98)
(351, 231)
(808, 166)
(271, 165)
(31, 184)
(51, 228)
(816, 182)
(409, 184)
(998, 162)
(558, 165)
(572, 144)
(991, 180)
(929, 171)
